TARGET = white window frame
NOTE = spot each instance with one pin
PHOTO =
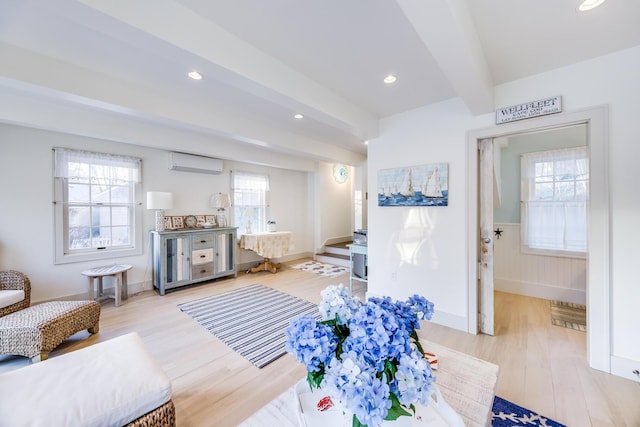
(62, 177)
(255, 183)
(528, 196)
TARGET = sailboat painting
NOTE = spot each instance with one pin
(425, 185)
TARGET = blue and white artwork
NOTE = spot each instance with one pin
(425, 185)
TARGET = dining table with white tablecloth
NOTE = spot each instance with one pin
(270, 244)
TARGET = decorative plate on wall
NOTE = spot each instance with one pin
(340, 173)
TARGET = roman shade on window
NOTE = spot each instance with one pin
(88, 165)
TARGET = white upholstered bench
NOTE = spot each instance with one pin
(112, 383)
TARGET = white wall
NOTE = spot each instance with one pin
(333, 206)
(423, 249)
(26, 210)
(539, 276)
(438, 265)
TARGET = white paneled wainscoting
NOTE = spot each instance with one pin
(540, 276)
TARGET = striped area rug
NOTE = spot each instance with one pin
(250, 320)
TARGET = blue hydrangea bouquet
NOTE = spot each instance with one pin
(365, 356)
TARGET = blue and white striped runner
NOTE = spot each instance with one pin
(250, 320)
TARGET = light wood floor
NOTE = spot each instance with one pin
(542, 367)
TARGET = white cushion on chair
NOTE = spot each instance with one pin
(9, 297)
(107, 384)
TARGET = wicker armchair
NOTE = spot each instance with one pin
(14, 280)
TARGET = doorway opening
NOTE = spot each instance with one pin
(598, 262)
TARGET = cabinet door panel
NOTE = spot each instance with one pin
(224, 253)
(177, 268)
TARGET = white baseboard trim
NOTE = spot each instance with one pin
(538, 290)
(624, 368)
(132, 289)
(450, 320)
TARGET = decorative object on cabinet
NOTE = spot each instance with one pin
(184, 257)
(190, 221)
(177, 222)
(159, 200)
(220, 202)
(168, 225)
(425, 185)
(186, 222)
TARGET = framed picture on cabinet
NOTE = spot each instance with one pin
(210, 219)
(167, 223)
(177, 222)
(199, 220)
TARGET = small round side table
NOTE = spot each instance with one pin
(118, 271)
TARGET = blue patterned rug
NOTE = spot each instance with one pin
(507, 414)
(321, 268)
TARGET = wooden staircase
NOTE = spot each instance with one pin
(336, 254)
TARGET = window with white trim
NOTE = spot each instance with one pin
(250, 201)
(96, 215)
(555, 201)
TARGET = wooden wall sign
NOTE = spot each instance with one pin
(528, 110)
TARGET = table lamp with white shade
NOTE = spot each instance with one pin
(221, 201)
(159, 200)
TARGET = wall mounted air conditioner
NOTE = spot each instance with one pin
(191, 163)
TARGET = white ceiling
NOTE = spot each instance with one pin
(263, 61)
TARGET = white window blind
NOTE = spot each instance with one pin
(95, 203)
(555, 200)
(250, 201)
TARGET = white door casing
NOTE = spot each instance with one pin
(599, 261)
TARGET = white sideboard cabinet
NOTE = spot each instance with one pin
(184, 257)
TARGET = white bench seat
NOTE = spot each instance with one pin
(111, 383)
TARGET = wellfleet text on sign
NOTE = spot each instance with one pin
(528, 110)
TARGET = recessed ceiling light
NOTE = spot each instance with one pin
(390, 79)
(195, 75)
(589, 4)
(298, 116)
